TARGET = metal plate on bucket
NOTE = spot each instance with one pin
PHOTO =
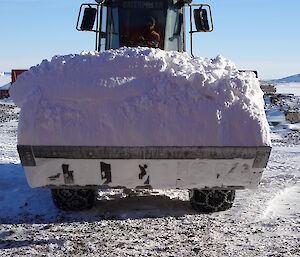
(259, 154)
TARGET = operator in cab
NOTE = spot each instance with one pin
(149, 36)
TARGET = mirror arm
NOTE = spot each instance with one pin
(97, 33)
(191, 31)
(100, 28)
(211, 19)
(79, 17)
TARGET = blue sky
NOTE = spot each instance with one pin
(260, 35)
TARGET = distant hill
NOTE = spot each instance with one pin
(294, 78)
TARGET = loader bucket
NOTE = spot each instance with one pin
(146, 166)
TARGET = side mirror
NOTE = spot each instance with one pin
(88, 19)
(201, 20)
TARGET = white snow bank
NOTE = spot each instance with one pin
(286, 203)
(139, 97)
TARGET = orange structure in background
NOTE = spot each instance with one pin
(4, 91)
(15, 74)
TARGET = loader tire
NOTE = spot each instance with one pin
(73, 199)
(207, 201)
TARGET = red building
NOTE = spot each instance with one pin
(15, 74)
(4, 90)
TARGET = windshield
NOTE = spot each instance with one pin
(136, 23)
(150, 23)
(142, 27)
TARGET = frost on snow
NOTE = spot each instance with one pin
(139, 97)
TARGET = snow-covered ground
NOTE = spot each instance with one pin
(4, 78)
(262, 222)
(286, 100)
(289, 88)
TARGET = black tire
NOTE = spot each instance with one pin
(206, 201)
(73, 199)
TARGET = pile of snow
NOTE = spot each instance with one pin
(139, 97)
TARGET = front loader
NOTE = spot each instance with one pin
(210, 173)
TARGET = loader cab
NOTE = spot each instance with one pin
(128, 23)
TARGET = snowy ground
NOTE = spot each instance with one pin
(289, 88)
(263, 222)
(4, 79)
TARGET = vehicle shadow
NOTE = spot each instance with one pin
(139, 207)
(20, 204)
(132, 207)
